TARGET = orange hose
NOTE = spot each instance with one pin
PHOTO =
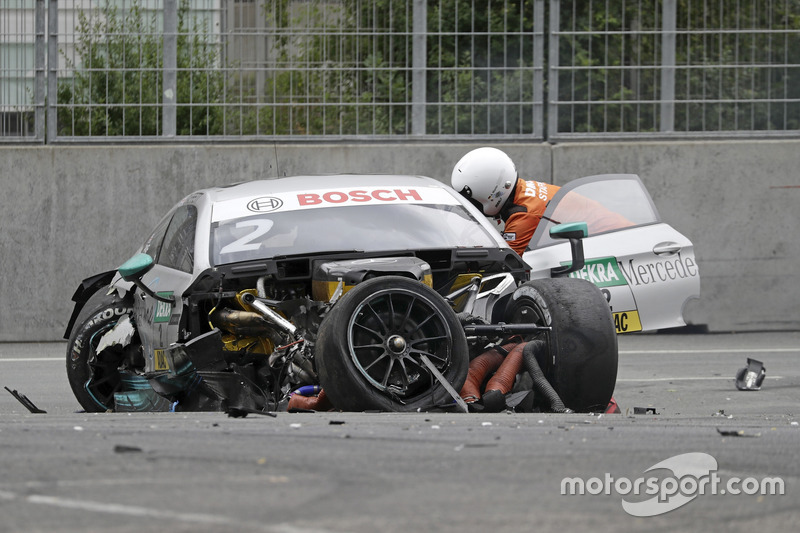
(479, 368)
(504, 378)
(310, 403)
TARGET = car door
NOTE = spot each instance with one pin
(172, 247)
(646, 269)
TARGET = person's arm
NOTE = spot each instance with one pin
(519, 230)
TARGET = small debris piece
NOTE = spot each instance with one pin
(613, 407)
(335, 422)
(752, 376)
(736, 433)
(121, 448)
(241, 412)
(21, 398)
(645, 411)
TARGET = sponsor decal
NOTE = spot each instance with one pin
(603, 272)
(659, 270)
(358, 196)
(264, 204)
(163, 310)
(510, 236)
(536, 189)
(159, 360)
(627, 321)
(323, 198)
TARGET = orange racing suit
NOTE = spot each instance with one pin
(523, 213)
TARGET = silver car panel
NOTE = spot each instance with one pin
(648, 271)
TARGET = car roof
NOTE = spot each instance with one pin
(312, 182)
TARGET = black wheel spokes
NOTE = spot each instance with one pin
(404, 377)
(391, 313)
(378, 317)
(388, 373)
(432, 356)
(369, 330)
(413, 321)
(408, 312)
(419, 326)
(382, 357)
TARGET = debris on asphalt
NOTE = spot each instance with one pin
(721, 413)
(752, 376)
(25, 401)
(613, 407)
(736, 433)
(241, 412)
(645, 411)
(122, 448)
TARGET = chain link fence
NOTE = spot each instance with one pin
(233, 70)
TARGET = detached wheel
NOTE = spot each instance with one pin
(581, 362)
(370, 347)
(95, 377)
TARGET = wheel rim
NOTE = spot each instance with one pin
(389, 332)
(528, 313)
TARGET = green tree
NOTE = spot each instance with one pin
(352, 73)
(724, 73)
(116, 87)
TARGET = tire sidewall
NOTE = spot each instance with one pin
(100, 312)
(344, 383)
(582, 358)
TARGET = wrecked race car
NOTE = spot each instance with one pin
(347, 292)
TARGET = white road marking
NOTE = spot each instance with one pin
(687, 378)
(624, 352)
(717, 350)
(133, 510)
(27, 359)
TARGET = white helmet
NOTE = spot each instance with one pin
(485, 176)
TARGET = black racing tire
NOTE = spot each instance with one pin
(369, 347)
(94, 377)
(582, 355)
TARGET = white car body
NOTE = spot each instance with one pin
(648, 272)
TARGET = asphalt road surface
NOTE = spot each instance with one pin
(379, 472)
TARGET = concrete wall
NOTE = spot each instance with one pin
(72, 211)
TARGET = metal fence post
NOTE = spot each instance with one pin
(669, 9)
(40, 64)
(419, 62)
(170, 80)
(552, 70)
(52, 71)
(538, 69)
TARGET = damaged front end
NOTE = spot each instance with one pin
(252, 358)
